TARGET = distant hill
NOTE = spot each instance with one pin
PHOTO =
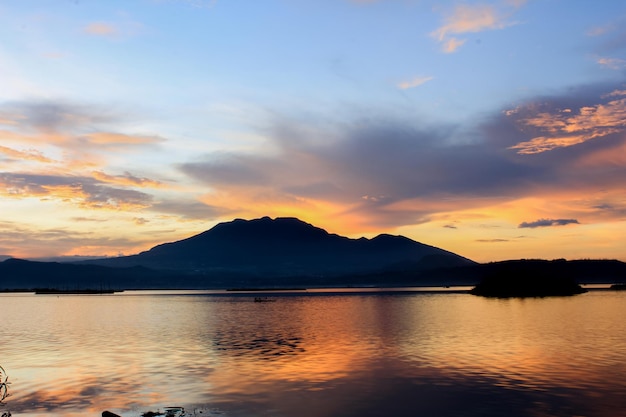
(23, 274)
(286, 247)
(61, 259)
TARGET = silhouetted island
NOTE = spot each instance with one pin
(535, 278)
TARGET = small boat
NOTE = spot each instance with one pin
(167, 412)
(263, 300)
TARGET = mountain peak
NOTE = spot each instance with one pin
(265, 228)
(281, 247)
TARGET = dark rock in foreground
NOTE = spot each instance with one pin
(527, 279)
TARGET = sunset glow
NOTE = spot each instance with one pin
(495, 130)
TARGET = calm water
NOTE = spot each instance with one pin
(306, 355)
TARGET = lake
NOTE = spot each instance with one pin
(314, 354)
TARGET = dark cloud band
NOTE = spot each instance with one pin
(547, 223)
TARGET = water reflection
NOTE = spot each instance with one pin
(366, 355)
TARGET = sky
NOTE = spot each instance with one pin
(493, 129)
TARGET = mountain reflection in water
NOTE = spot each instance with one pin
(341, 354)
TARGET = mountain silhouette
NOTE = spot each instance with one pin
(286, 247)
(287, 252)
(24, 274)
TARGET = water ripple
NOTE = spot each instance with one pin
(326, 355)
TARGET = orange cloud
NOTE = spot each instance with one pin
(116, 139)
(101, 29)
(567, 128)
(126, 180)
(70, 139)
(117, 30)
(32, 155)
(452, 44)
(415, 82)
(466, 18)
(543, 144)
(80, 191)
(39, 139)
(612, 63)
(471, 19)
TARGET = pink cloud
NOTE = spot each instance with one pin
(564, 128)
(101, 29)
(471, 19)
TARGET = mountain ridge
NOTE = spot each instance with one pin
(281, 247)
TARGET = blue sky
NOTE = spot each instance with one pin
(493, 129)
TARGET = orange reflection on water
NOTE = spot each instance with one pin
(532, 343)
(280, 348)
(315, 355)
(74, 394)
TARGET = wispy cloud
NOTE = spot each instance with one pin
(564, 127)
(68, 134)
(140, 221)
(612, 63)
(114, 140)
(190, 210)
(73, 157)
(611, 36)
(53, 116)
(87, 219)
(127, 180)
(81, 191)
(71, 146)
(450, 45)
(469, 18)
(54, 241)
(31, 154)
(547, 223)
(101, 29)
(414, 82)
(122, 29)
(600, 30)
(465, 18)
